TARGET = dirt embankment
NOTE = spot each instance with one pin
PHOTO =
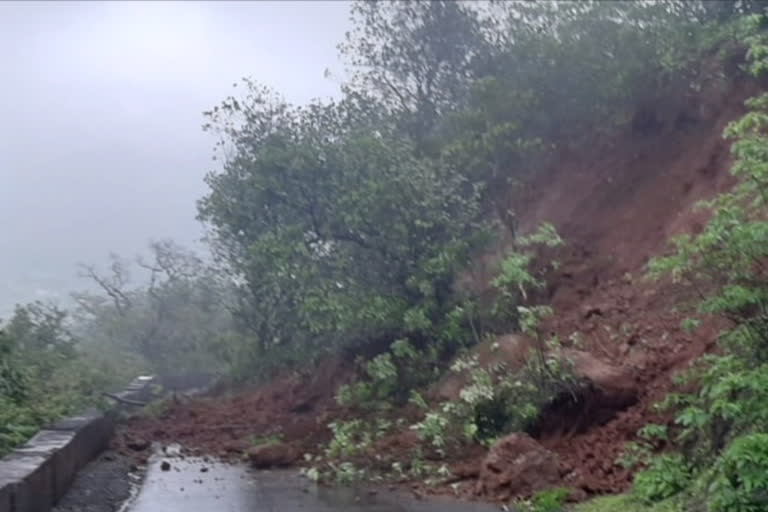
(616, 205)
(616, 211)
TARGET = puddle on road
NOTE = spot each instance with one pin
(194, 484)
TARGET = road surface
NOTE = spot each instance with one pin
(197, 485)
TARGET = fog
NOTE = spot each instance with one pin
(101, 148)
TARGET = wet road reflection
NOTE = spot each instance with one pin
(198, 485)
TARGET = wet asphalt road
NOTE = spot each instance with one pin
(194, 485)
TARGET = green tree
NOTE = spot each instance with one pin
(339, 231)
(13, 385)
(419, 58)
(174, 319)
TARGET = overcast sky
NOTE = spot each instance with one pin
(100, 140)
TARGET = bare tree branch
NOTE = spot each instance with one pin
(112, 286)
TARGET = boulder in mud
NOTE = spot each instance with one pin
(272, 455)
(605, 389)
(615, 385)
(517, 465)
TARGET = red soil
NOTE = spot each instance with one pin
(615, 212)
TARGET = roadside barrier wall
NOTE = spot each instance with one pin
(34, 477)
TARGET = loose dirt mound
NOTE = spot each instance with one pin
(516, 465)
(292, 408)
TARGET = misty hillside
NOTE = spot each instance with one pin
(520, 258)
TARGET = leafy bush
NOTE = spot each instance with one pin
(44, 375)
(549, 500)
(389, 378)
(19, 423)
(349, 438)
(375, 392)
(495, 401)
(628, 503)
(433, 428)
(666, 476)
(741, 476)
(722, 424)
(516, 277)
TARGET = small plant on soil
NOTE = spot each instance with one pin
(627, 503)
(516, 278)
(666, 476)
(640, 453)
(388, 378)
(740, 480)
(267, 440)
(346, 472)
(432, 428)
(548, 500)
(349, 438)
(495, 401)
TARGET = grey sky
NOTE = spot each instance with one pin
(100, 140)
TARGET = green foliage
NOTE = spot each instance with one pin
(267, 440)
(349, 438)
(721, 427)
(730, 401)
(377, 390)
(516, 279)
(392, 375)
(627, 503)
(418, 58)
(607, 58)
(495, 401)
(741, 476)
(342, 233)
(549, 500)
(350, 444)
(43, 374)
(432, 428)
(19, 423)
(666, 476)
(349, 222)
(653, 432)
(390, 378)
(689, 324)
(13, 384)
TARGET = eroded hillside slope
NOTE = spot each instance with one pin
(616, 209)
(615, 205)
